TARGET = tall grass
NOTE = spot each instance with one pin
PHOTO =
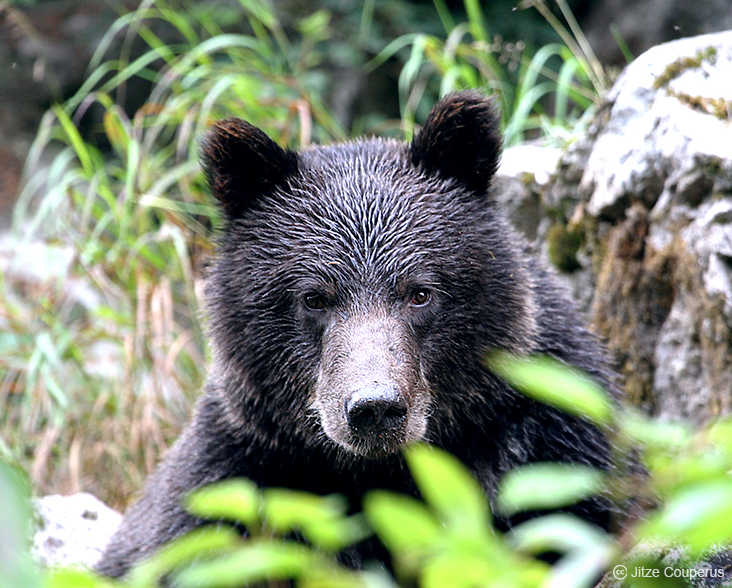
(98, 366)
(541, 93)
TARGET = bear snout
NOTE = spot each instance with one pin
(370, 394)
(376, 409)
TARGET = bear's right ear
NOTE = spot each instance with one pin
(241, 163)
(461, 139)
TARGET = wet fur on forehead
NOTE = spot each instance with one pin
(360, 222)
(460, 141)
(365, 205)
(365, 221)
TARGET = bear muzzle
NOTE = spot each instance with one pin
(370, 394)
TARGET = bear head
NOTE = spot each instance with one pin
(359, 284)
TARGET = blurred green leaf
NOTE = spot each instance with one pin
(287, 509)
(76, 578)
(457, 570)
(403, 524)
(315, 26)
(552, 382)
(342, 578)
(254, 561)
(235, 500)
(321, 519)
(200, 542)
(491, 566)
(699, 517)
(449, 488)
(16, 567)
(641, 430)
(542, 486)
(561, 533)
(115, 131)
(672, 473)
(720, 433)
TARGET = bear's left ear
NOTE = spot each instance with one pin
(461, 139)
(242, 164)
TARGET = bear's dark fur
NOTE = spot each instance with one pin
(356, 291)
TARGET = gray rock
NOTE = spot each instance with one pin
(523, 176)
(693, 368)
(666, 123)
(652, 182)
(647, 192)
(73, 530)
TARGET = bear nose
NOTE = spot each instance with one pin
(376, 408)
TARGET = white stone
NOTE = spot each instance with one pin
(74, 530)
(652, 131)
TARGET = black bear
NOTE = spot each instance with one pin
(355, 293)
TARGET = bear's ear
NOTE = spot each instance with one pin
(461, 139)
(241, 163)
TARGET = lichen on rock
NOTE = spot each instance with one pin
(649, 189)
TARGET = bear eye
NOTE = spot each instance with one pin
(420, 297)
(315, 302)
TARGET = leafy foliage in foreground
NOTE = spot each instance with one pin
(448, 540)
